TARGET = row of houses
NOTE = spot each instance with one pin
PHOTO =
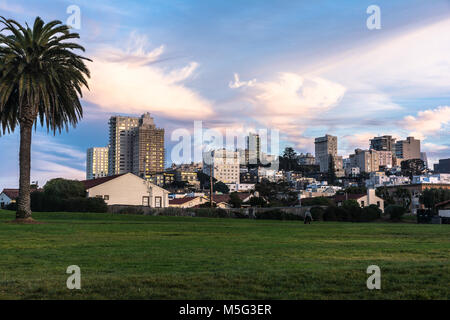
(129, 189)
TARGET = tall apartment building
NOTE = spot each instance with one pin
(121, 144)
(365, 160)
(407, 149)
(253, 149)
(224, 165)
(384, 143)
(148, 148)
(96, 162)
(326, 149)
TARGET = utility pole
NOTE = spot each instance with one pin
(210, 186)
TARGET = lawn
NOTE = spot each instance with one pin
(146, 257)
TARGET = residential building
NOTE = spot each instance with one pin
(188, 202)
(306, 159)
(253, 149)
(148, 148)
(127, 189)
(241, 187)
(121, 144)
(407, 149)
(8, 196)
(434, 178)
(384, 143)
(365, 160)
(326, 149)
(190, 177)
(364, 200)
(224, 165)
(443, 166)
(97, 162)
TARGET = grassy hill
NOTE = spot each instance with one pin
(145, 257)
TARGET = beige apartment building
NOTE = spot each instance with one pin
(224, 165)
(407, 149)
(97, 162)
(325, 148)
(148, 148)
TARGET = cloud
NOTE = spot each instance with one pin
(289, 101)
(128, 81)
(427, 122)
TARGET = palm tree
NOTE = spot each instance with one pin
(40, 81)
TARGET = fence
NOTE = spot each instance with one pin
(281, 213)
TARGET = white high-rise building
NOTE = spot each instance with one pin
(224, 165)
(96, 162)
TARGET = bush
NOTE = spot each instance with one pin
(317, 213)
(330, 214)
(277, 215)
(370, 213)
(395, 212)
(317, 201)
(43, 202)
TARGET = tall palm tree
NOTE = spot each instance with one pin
(40, 81)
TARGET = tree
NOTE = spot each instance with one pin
(41, 79)
(404, 197)
(221, 187)
(235, 201)
(430, 197)
(64, 189)
(289, 159)
(331, 171)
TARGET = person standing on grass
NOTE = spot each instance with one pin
(308, 217)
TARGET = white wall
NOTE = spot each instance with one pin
(4, 199)
(129, 189)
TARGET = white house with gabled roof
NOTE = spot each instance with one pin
(127, 189)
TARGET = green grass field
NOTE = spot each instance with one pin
(145, 257)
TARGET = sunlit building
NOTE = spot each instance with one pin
(97, 162)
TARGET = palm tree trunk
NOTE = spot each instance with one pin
(24, 201)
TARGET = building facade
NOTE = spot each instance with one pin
(326, 150)
(121, 144)
(407, 149)
(253, 149)
(384, 143)
(147, 148)
(97, 162)
(224, 165)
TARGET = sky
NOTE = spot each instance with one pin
(305, 68)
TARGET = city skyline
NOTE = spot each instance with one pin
(362, 84)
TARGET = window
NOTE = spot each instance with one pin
(362, 203)
(145, 201)
(106, 197)
(378, 204)
(158, 202)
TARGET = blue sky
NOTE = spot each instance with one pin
(304, 67)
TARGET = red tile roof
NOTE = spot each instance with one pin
(443, 203)
(11, 193)
(14, 193)
(181, 200)
(95, 182)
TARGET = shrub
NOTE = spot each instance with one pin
(43, 202)
(330, 214)
(370, 213)
(395, 212)
(277, 214)
(317, 213)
